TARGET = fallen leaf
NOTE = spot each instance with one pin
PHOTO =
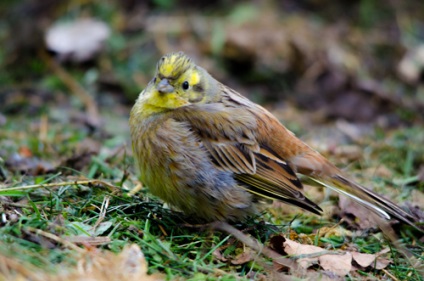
(218, 255)
(128, 265)
(338, 264)
(94, 265)
(335, 262)
(133, 262)
(363, 260)
(382, 263)
(243, 258)
(296, 249)
(277, 244)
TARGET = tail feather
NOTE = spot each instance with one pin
(369, 199)
(318, 169)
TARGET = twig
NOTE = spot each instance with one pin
(16, 205)
(254, 244)
(92, 241)
(318, 254)
(389, 274)
(81, 182)
(56, 239)
(103, 210)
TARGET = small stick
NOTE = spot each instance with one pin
(56, 239)
(45, 185)
(103, 210)
(254, 244)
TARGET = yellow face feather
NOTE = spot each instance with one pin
(193, 78)
(173, 65)
(178, 82)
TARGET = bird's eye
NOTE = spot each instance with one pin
(185, 85)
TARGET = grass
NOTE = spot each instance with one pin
(168, 240)
(46, 142)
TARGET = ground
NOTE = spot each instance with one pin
(345, 77)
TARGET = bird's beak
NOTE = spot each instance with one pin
(164, 86)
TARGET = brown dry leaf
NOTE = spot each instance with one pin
(218, 255)
(94, 265)
(338, 263)
(369, 260)
(363, 260)
(277, 244)
(295, 249)
(243, 258)
(382, 263)
(333, 262)
(129, 265)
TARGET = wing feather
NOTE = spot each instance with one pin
(230, 137)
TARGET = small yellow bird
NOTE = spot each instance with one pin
(212, 153)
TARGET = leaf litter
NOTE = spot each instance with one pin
(93, 264)
(338, 262)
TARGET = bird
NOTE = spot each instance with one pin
(213, 154)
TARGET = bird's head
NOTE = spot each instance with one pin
(178, 82)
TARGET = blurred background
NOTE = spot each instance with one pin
(361, 61)
(346, 76)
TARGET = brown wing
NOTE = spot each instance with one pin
(309, 162)
(275, 179)
(229, 135)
